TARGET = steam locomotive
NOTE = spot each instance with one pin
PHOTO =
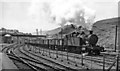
(69, 43)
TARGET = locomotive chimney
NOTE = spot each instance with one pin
(90, 32)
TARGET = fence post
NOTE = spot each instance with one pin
(67, 48)
(57, 41)
(91, 62)
(82, 60)
(103, 62)
(117, 65)
(62, 49)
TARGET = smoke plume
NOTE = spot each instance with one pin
(63, 12)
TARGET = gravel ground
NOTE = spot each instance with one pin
(21, 66)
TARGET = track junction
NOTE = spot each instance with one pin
(38, 59)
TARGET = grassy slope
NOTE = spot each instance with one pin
(105, 29)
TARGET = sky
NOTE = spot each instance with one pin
(25, 16)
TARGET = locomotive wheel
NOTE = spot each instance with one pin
(90, 52)
(97, 52)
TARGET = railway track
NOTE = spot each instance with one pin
(21, 65)
(37, 63)
(10, 52)
(29, 61)
(72, 63)
(7, 47)
(54, 65)
(95, 59)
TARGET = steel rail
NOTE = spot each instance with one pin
(38, 62)
(67, 68)
(12, 55)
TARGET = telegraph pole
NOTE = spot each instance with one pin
(115, 37)
(118, 48)
(36, 31)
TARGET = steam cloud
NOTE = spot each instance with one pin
(64, 12)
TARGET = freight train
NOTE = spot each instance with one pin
(69, 43)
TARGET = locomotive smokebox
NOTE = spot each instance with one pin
(92, 38)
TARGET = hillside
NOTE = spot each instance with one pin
(52, 32)
(66, 29)
(105, 29)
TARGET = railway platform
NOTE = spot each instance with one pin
(6, 63)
